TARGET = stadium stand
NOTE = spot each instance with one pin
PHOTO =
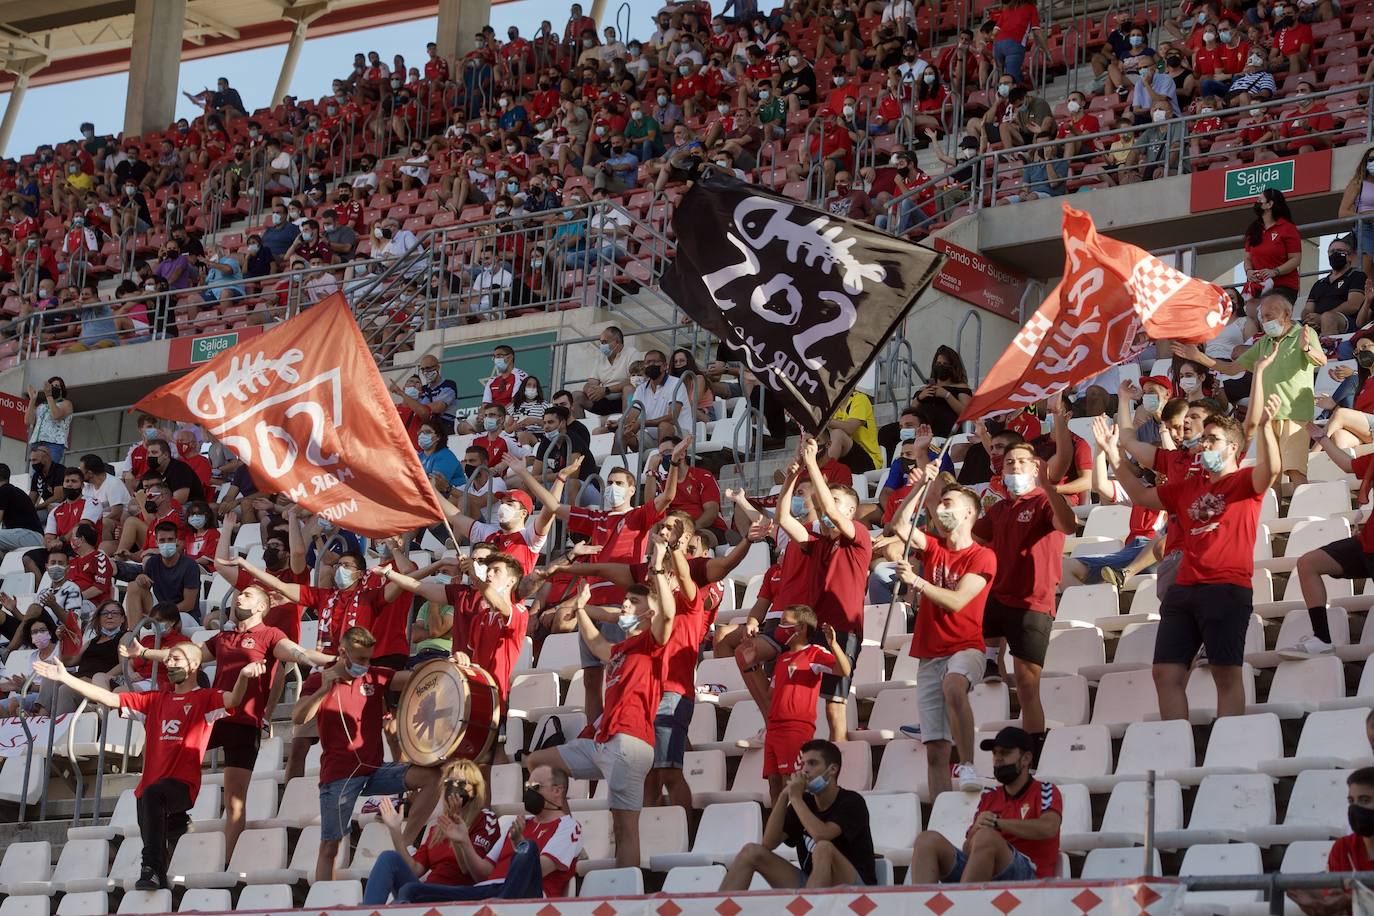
(519, 181)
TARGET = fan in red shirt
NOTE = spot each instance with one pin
(74, 509)
(622, 750)
(1079, 123)
(1015, 832)
(1352, 852)
(464, 834)
(832, 145)
(348, 605)
(1273, 247)
(348, 701)
(243, 641)
(177, 723)
(1026, 532)
(797, 675)
(436, 68)
(1307, 127)
(90, 569)
(169, 618)
(1210, 602)
(952, 591)
(689, 89)
(1292, 39)
(838, 556)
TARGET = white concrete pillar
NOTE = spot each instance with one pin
(12, 107)
(288, 64)
(598, 11)
(459, 20)
(154, 65)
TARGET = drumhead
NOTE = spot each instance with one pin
(433, 712)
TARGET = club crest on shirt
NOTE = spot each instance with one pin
(367, 690)
(248, 642)
(1025, 516)
(1207, 510)
(1025, 809)
(186, 709)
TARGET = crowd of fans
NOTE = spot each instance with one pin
(970, 537)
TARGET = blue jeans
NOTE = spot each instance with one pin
(338, 797)
(579, 260)
(1009, 56)
(1019, 868)
(1216, 87)
(389, 874)
(1345, 392)
(524, 881)
(57, 450)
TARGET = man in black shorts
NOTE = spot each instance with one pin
(1026, 532)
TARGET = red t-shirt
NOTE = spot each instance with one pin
(390, 624)
(339, 611)
(496, 446)
(1143, 523)
(1277, 244)
(1175, 464)
(797, 580)
(1348, 854)
(1206, 61)
(235, 649)
(92, 570)
(502, 389)
(689, 628)
(436, 69)
(1036, 799)
(1013, 22)
(842, 578)
(560, 840)
(770, 589)
(518, 544)
(1082, 461)
(1029, 551)
(284, 615)
(1315, 120)
(688, 86)
(173, 515)
(178, 729)
(939, 632)
(634, 685)
(493, 641)
(695, 489)
(436, 859)
(1359, 466)
(198, 544)
(350, 723)
(622, 538)
(797, 683)
(1217, 521)
(66, 515)
(1291, 39)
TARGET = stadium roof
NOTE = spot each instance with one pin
(82, 38)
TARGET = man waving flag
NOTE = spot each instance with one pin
(1093, 318)
(304, 407)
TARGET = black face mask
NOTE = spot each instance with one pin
(941, 372)
(71, 492)
(1008, 773)
(242, 613)
(149, 506)
(535, 802)
(271, 557)
(1337, 259)
(469, 469)
(1365, 358)
(1173, 61)
(1361, 820)
(653, 372)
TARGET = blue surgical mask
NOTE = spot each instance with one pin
(817, 785)
(1150, 402)
(627, 622)
(1274, 328)
(168, 550)
(196, 521)
(1213, 460)
(1018, 484)
(501, 363)
(425, 440)
(799, 506)
(412, 392)
(615, 494)
(1191, 443)
(110, 631)
(489, 424)
(356, 670)
(906, 435)
(605, 348)
(1137, 41)
(345, 577)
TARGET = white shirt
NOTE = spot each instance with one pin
(609, 221)
(614, 371)
(110, 493)
(416, 167)
(489, 283)
(658, 403)
(899, 10)
(494, 484)
(366, 180)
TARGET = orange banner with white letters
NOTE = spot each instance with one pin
(1092, 320)
(304, 406)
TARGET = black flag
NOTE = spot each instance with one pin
(802, 297)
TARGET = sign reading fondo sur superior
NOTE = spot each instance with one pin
(971, 277)
(185, 352)
(1215, 188)
(12, 424)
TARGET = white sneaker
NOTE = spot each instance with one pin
(966, 778)
(1308, 647)
(751, 743)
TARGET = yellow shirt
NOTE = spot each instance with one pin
(860, 408)
(81, 181)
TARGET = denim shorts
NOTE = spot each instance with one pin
(670, 729)
(1019, 869)
(337, 798)
(613, 634)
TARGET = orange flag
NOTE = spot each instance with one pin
(304, 406)
(1092, 319)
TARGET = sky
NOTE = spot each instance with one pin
(254, 73)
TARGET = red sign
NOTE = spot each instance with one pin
(1238, 186)
(12, 417)
(969, 276)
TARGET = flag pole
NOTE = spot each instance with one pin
(911, 528)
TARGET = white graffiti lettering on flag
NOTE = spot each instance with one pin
(211, 399)
(14, 742)
(278, 401)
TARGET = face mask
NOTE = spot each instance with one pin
(1018, 484)
(1209, 36)
(636, 380)
(1137, 41)
(849, 111)
(344, 578)
(1337, 259)
(506, 514)
(1255, 61)
(798, 506)
(1274, 328)
(906, 435)
(196, 521)
(1361, 820)
(177, 675)
(308, 236)
(684, 69)
(1158, 115)
(1189, 383)
(489, 424)
(1007, 773)
(71, 492)
(763, 97)
(534, 801)
(627, 622)
(110, 631)
(948, 518)
(167, 550)
(794, 61)
(663, 100)
(41, 639)
(501, 363)
(1213, 460)
(531, 392)
(1150, 402)
(276, 219)
(636, 116)
(253, 247)
(425, 440)
(653, 372)
(928, 79)
(1074, 107)
(616, 494)
(243, 613)
(1004, 89)
(412, 392)
(430, 375)
(271, 557)
(1365, 358)
(817, 785)
(355, 670)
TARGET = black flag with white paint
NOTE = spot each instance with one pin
(803, 298)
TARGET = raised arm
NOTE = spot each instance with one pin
(1108, 442)
(288, 590)
(824, 501)
(786, 520)
(662, 622)
(1267, 460)
(665, 499)
(429, 590)
(57, 672)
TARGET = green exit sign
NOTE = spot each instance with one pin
(1247, 182)
(185, 352)
(204, 349)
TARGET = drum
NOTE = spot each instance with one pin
(448, 711)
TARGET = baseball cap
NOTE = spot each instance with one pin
(1160, 380)
(1011, 736)
(521, 497)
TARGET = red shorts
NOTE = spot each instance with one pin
(782, 744)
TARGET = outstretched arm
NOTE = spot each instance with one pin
(289, 590)
(57, 672)
(824, 501)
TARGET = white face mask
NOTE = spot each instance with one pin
(794, 61)
(1188, 383)
(1158, 115)
(506, 513)
(1019, 484)
(1004, 89)
(1073, 106)
(616, 494)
